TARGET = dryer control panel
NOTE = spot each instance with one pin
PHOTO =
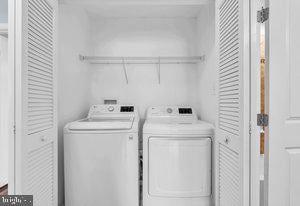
(185, 110)
(172, 112)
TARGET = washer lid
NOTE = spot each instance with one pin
(111, 123)
(161, 127)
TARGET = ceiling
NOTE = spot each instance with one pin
(141, 8)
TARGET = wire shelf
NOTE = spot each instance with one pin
(142, 60)
(158, 61)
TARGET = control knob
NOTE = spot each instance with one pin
(169, 110)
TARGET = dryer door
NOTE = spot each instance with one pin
(179, 167)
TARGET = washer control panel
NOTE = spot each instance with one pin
(100, 110)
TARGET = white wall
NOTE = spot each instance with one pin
(82, 84)
(207, 72)
(73, 75)
(4, 110)
(145, 37)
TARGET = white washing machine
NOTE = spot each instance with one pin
(176, 158)
(101, 158)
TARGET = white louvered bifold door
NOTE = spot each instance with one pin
(232, 130)
(35, 99)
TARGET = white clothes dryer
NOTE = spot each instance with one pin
(176, 158)
(101, 163)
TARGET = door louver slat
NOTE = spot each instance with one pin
(228, 176)
(40, 175)
(229, 73)
(40, 66)
(231, 169)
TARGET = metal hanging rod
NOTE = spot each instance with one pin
(142, 60)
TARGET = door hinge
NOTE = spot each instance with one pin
(263, 15)
(262, 120)
(14, 128)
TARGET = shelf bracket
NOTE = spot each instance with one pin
(125, 70)
(158, 70)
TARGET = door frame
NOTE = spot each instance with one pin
(254, 101)
(8, 30)
(4, 32)
(11, 65)
(254, 141)
(266, 146)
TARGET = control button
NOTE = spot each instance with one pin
(111, 108)
(169, 110)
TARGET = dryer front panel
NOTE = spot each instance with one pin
(179, 167)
